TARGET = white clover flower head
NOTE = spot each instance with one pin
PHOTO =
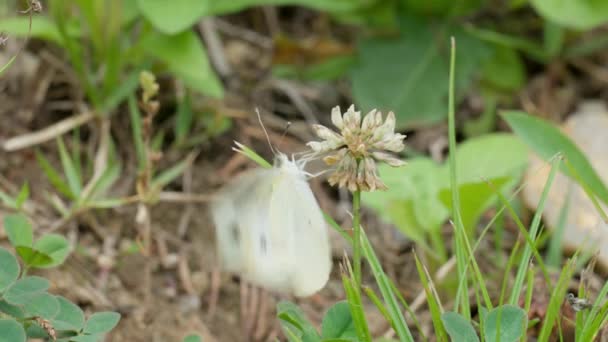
(357, 146)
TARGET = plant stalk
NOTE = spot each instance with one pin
(357, 236)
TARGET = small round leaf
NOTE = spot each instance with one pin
(24, 289)
(19, 230)
(55, 246)
(458, 327)
(9, 269)
(11, 330)
(101, 322)
(512, 324)
(43, 305)
(32, 257)
(70, 316)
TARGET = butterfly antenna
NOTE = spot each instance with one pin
(257, 111)
(287, 125)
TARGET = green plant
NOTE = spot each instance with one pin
(27, 310)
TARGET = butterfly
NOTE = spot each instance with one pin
(271, 230)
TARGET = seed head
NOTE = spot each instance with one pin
(356, 148)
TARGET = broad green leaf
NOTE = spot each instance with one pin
(475, 198)
(443, 7)
(489, 156)
(55, 246)
(505, 69)
(12, 331)
(192, 338)
(9, 269)
(101, 322)
(512, 324)
(43, 305)
(181, 15)
(409, 74)
(458, 327)
(411, 201)
(19, 230)
(33, 257)
(15, 311)
(72, 170)
(338, 322)
(292, 317)
(579, 14)
(24, 289)
(70, 316)
(547, 140)
(184, 55)
(42, 27)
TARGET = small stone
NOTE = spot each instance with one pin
(584, 227)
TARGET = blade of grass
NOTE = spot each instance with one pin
(71, 173)
(432, 300)
(462, 301)
(386, 290)
(138, 137)
(353, 297)
(557, 298)
(53, 175)
(554, 255)
(527, 253)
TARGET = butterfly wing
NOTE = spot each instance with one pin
(299, 233)
(225, 212)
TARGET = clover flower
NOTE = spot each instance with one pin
(356, 148)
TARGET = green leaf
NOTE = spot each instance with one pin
(475, 198)
(101, 322)
(170, 174)
(505, 69)
(459, 328)
(192, 338)
(71, 170)
(185, 57)
(43, 305)
(24, 289)
(547, 140)
(580, 14)
(55, 246)
(12, 331)
(15, 311)
(19, 230)
(42, 27)
(32, 257)
(409, 74)
(292, 317)
(338, 322)
(512, 324)
(23, 195)
(9, 269)
(183, 119)
(181, 15)
(53, 175)
(410, 201)
(70, 316)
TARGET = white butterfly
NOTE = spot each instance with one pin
(271, 231)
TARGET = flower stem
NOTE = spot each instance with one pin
(357, 236)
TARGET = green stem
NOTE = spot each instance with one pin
(357, 236)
